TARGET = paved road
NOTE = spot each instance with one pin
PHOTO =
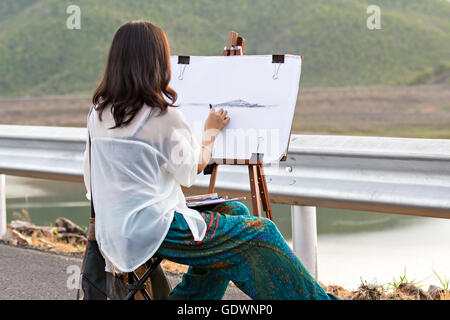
(32, 274)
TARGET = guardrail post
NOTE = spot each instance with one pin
(304, 236)
(2, 205)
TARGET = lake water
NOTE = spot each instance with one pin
(352, 245)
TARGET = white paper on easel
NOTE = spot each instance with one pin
(259, 95)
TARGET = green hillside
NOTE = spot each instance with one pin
(40, 56)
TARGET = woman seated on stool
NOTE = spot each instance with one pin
(142, 152)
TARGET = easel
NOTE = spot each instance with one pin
(258, 185)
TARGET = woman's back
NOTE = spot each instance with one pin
(136, 182)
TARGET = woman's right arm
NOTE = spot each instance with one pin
(185, 157)
(214, 124)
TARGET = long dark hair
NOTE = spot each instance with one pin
(137, 72)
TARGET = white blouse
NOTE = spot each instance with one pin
(137, 173)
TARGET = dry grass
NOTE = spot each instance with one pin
(374, 291)
(47, 243)
(43, 238)
(174, 267)
(57, 246)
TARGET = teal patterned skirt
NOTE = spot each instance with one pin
(238, 247)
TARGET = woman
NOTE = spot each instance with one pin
(142, 152)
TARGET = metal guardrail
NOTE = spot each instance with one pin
(391, 175)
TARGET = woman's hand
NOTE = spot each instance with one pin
(215, 123)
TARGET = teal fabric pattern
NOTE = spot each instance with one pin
(238, 247)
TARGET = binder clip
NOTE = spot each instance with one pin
(183, 61)
(277, 59)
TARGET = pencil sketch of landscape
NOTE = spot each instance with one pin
(239, 103)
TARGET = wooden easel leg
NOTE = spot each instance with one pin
(252, 173)
(264, 192)
(212, 179)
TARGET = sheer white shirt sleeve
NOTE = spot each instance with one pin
(183, 151)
